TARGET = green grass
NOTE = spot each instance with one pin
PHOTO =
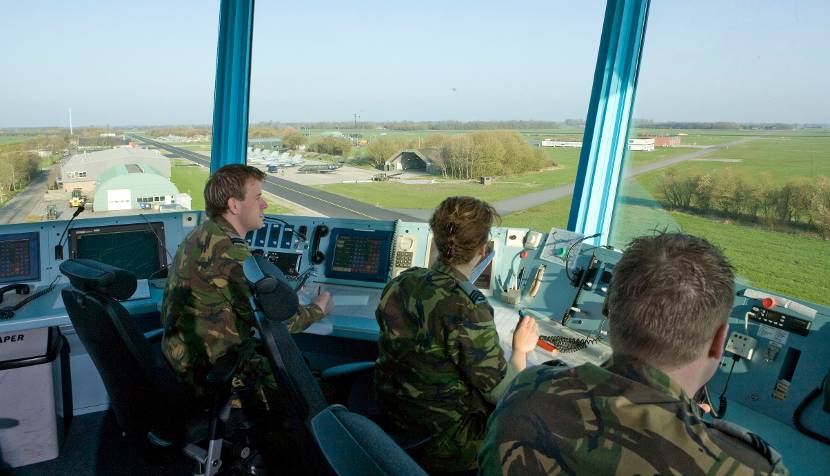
(542, 217)
(191, 179)
(776, 261)
(779, 158)
(638, 157)
(13, 139)
(790, 264)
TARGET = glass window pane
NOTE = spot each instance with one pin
(392, 107)
(733, 102)
(80, 81)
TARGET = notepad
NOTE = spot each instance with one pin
(351, 300)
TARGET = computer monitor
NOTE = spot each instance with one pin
(19, 257)
(360, 255)
(137, 248)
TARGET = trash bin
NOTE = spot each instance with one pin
(29, 396)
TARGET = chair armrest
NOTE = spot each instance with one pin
(154, 335)
(346, 370)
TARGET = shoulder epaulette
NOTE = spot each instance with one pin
(239, 241)
(472, 292)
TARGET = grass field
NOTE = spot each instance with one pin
(395, 195)
(13, 139)
(192, 178)
(788, 263)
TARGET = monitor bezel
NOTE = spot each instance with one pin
(34, 256)
(383, 266)
(157, 227)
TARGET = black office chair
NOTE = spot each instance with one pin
(149, 402)
(355, 446)
(273, 301)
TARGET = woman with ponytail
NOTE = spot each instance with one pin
(440, 368)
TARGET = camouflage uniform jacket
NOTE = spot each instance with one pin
(206, 310)
(439, 355)
(622, 418)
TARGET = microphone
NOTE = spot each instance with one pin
(59, 246)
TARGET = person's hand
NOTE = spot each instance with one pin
(525, 336)
(325, 302)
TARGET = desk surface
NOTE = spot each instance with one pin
(48, 310)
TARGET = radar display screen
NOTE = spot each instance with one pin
(359, 255)
(137, 248)
(19, 257)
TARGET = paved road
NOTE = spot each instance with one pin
(522, 202)
(325, 203)
(27, 203)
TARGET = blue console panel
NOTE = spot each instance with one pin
(563, 284)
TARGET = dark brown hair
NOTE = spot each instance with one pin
(460, 225)
(669, 294)
(228, 182)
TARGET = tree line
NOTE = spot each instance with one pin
(722, 125)
(799, 202)
(467, 156)
(19, 163)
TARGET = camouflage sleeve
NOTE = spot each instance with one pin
(305, 316)
(478, 355)
(221, 328)
(495, 394)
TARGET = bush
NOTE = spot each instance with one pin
(332, 146)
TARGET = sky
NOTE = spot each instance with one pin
(125, 63)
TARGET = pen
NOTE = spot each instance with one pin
(537, 280)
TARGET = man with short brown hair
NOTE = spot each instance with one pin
(667, 309)
(206, 310)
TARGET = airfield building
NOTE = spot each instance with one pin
(425, 160)
(666, 141)
(84, 170)
(131, 186)
(646, 145)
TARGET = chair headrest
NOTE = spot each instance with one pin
(96, 277)
(270, 286)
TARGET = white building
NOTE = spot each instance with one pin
(561, 143)
(646, 145)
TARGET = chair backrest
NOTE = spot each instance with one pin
(355, 446)
(292, 374)
(144, 392)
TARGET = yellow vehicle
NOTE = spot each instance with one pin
(77, 199)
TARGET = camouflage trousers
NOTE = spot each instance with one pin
(456, 448)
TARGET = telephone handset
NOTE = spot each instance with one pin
(404, 253)
(317, 256)
(18, 288)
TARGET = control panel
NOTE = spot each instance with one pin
(776, 355)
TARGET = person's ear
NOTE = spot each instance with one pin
(718, 342)
(233, 205)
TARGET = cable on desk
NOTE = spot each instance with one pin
(800, 410)
(7, 312)
(569, 344)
